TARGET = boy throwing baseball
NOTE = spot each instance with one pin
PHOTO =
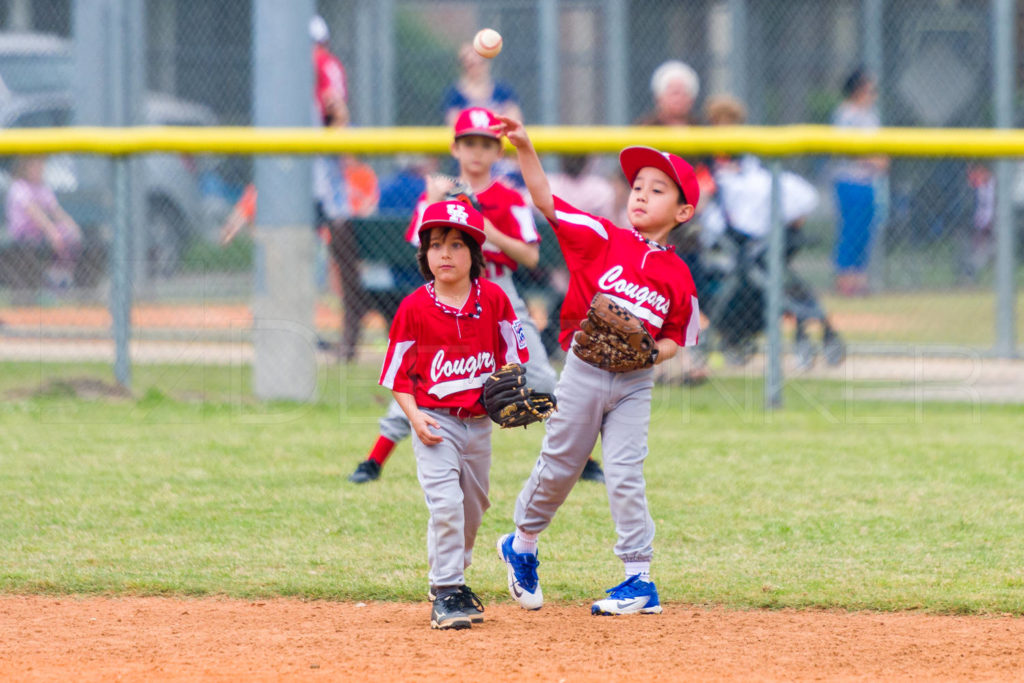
(447, 338)
(626, 276)
(511, 240)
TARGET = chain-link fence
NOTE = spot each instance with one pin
(896, 256)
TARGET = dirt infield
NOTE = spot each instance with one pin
(48, 638)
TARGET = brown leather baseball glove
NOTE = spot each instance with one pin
(613, 339)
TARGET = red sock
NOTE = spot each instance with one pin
(381, 450)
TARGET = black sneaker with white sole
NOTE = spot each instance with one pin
(448, 611)
(471, 605)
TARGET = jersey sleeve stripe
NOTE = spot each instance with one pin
(388, 380)
(511, 343)
(414, 231)
(693, 326)
(582, 219)
(527, 226)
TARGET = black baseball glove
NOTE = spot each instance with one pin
(511, 403)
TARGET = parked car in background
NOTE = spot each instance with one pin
(36, 72)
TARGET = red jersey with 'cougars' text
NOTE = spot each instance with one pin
(647, 278)
(442, 356)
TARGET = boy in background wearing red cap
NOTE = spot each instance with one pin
(447, 337)
(637, 270)
(512, 240)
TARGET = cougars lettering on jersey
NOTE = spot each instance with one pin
(648, 279)
(502, 206)
(443, 359)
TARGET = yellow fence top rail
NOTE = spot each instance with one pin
(765, 141)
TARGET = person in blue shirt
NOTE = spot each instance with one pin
(400, 192)
(476, 88)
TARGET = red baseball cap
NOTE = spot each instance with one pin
(476, 121)
(635, 158)
(454, 214)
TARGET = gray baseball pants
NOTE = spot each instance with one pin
(540, 376)
(455, 476)
(592, 402)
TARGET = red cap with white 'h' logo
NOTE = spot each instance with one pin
(477, 121)
(456, 215)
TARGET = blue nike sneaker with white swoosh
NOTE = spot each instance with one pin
(523, 583)
(632, 596)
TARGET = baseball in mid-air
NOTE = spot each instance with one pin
(487, 43)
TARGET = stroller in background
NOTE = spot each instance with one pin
(733, 271)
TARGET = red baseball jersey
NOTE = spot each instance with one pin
(502, 206)
(442, 356)
(645, 277)
(330, 77)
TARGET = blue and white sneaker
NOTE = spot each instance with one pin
(523, 584)
(632, 596)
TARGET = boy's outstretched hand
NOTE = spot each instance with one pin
(529, 164)
(514, 130)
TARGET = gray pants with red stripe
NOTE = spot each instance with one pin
(592, 402)
(540, 376)
(455, 476)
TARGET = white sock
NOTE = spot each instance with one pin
(641, 568)
(523, 542)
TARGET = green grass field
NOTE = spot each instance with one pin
(197, 491)
(955, 317)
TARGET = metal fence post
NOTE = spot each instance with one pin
(283, 299)
(617, 64)
(385, 63)
(873, 16)
(738, 59)
(1003, 65)
(773, 308)
(121, 277)
(547, 27)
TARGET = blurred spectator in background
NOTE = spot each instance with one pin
(343, 188)
(980, 249)
(400, 192)
(582, 186)
(736, 222)
(36, 220)
(331, 87)
(476, 88)
(855, 181)
(675, 86)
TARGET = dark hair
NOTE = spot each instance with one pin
(574, 164)
(486, 138)
(855, 81)
(476, 254)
